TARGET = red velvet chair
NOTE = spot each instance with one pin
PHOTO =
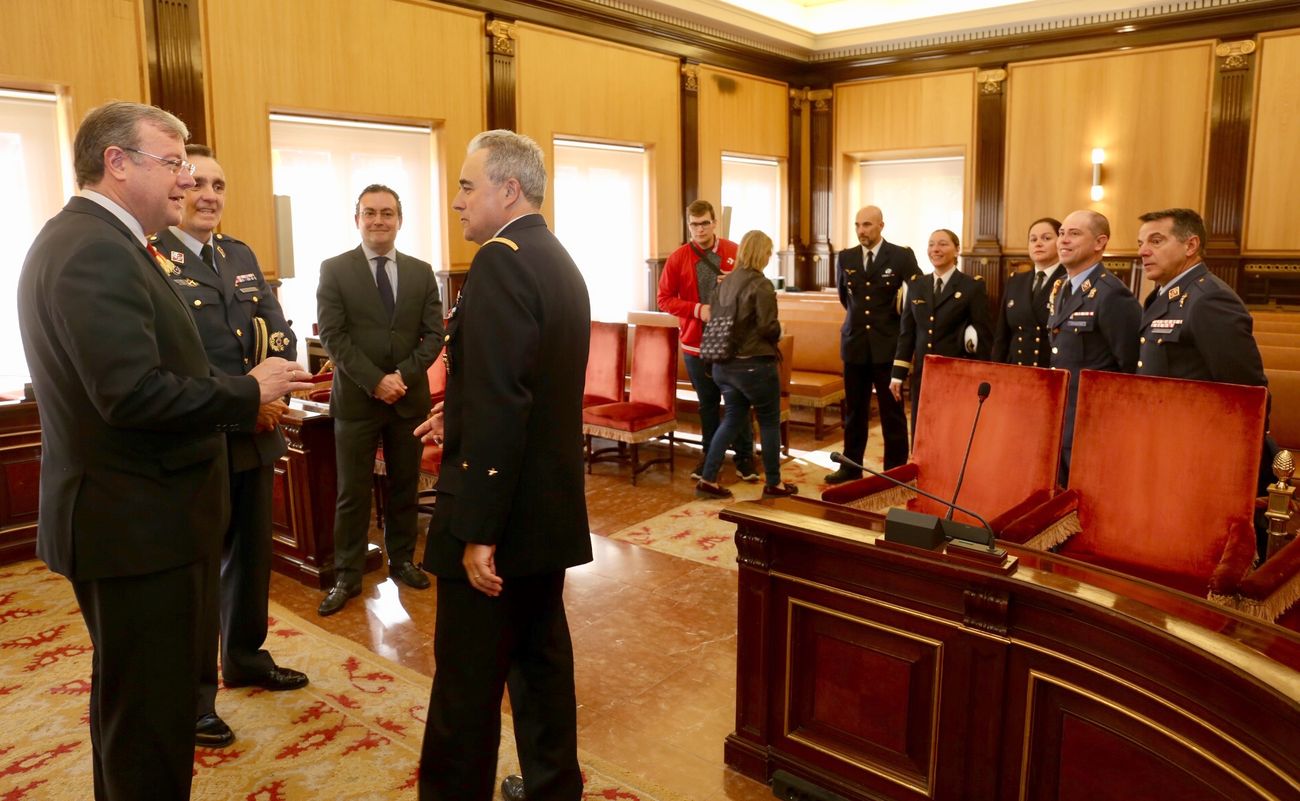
(1014, 457)
(606, 364)
(650, 411)
(430, 459)
(1162, 482)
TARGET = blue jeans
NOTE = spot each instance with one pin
(747, 383)
(742, 442)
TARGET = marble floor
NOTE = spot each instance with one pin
(654, 636)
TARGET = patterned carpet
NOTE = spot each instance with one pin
(693, 530)
(353, 733)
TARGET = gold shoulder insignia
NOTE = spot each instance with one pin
(153, 237)
(220, 236)
(979, 278)
(1173, 293)
(913, 278)
(260, 340)
(503, 241)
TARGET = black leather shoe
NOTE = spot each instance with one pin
(842, 475)
(410, 575)
(782, 490)
(210, 731)
(276, 679)
(337, 598)
(512, 787)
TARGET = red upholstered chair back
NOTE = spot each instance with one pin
(1017, 446)
(654, 367)
(605, 363)
(437, 378)
(1166, 472)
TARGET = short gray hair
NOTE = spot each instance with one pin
(512, 155)
(116, 123)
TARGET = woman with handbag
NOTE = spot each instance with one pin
(740, 339)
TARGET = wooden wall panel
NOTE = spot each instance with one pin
(1149, 109)
(891, 116)
(366, 59)
(571, 85)
(1275, 158)
(93, 50)
(745, 115)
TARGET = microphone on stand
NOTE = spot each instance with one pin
(983, 393)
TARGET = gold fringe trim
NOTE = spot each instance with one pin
(885, 499)
(1270, 608)
(1055, 534)
(620, 435)
(816, 401)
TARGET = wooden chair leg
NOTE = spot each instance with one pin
(636, 462)
(818, 417)
(785, 437)
(591, 455)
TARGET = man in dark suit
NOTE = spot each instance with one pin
(381, 324)
(869, 279)
(240, 323)
(133, 447)
(1193, 324)
(511, 514)
(1094, 320)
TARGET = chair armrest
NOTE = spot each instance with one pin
(1269, 591)
(864, 487)
(1037, 499)
(1238, 556)
(1047, 525)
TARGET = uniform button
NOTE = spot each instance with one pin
(868, 312)
(246, 360)
(255, 298)
(1160, 341)
(1035, 351)
(1036, 339)
(1020, 328)
(1139, 363)
(198, 302)
(868, 328)
(1054, 350)
(239, 332)
(1142, 340)
(932, 318)
(868, 297)
(446, 337)
(929, 345)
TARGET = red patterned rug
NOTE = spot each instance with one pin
(353, 733)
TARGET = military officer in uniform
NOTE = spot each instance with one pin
(1193, 324)
(1022, 336)
(240, 323)
(1094, 320)
(945, 314)
(870, 279)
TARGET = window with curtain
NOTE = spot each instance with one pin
(322, 165)
(602, 215)
(915, 196)
(751, 187)
(37, 180)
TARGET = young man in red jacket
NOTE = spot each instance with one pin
(686, 289)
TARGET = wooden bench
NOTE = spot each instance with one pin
(1277, 326)
(1280, 357)
(1283, 339)
(1284, 416)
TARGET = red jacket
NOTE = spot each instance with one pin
(679, 296)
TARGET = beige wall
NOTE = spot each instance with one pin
(743, 115)
(892, 117)
(1149, 109)
(397, 60)
(1274, 170)
(575, 86)
(91, 51)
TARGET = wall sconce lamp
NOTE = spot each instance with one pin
(1098, 157)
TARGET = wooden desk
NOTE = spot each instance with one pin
(878, 673)
(20, 477)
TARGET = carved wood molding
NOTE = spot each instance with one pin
(986, 610)
(752, 549)
(1235, 55)
(690, 77)
(503, 37)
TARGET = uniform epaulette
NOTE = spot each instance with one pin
(979, 278)
(227, 238)
(153, 237)
(913, 278)
(503, 241)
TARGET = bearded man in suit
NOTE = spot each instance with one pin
(133, 442)
(381, 324)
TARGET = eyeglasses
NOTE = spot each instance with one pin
(701, 224)
(175, 165)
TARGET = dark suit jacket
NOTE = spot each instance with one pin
(1095, 328)
(870, 331)
(512, 466)
(1203, 332)
(224, 307)
(365, 345)
(133, 462)
(1022, 336)
(938, 325)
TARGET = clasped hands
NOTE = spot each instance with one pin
(391, 388)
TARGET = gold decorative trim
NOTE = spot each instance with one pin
(503, 37)
(821, 99)
(927, 787)
(1037, 676)
(990, 81)
(1270, 267)
(1235, 55)
(1216, 731)
(691, 77)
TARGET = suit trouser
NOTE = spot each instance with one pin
(858, 382)
(355, 442)
(144, 680)
(237, 609)
(520, 641)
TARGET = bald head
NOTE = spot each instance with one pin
(868, 224)
(1082, 241)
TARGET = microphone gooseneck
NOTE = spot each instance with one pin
(983, 393)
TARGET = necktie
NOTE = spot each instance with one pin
(871, 260)
(938, 285)
(1039, 277)
(385, 286)
(206, 253)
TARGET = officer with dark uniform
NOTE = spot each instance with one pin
(1094, 318)
(240, 323)
(938, 311)
(1193, 324)
(1022, 336)
(870, 280)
